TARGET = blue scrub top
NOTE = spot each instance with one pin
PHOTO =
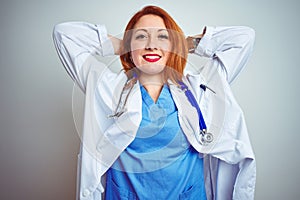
(160, 163)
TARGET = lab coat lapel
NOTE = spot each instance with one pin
(189, 119)
(122, 132)
(187, 114)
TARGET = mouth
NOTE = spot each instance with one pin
(151, 57)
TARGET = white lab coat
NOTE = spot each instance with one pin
(229, 162)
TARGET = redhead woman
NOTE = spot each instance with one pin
(155, 130)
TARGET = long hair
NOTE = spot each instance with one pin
(178, 55)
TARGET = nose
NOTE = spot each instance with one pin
(151, 44)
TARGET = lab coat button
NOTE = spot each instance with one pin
(86, 193)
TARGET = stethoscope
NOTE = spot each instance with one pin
(120, 109)
(204, 137)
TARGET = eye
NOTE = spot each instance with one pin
(163, 36)
(140, 36)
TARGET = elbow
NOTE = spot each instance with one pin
(56, 33)
(61, 29)
(250, 32)
(58, 30)
(251, 39)
(249, 35)
(59, 33)
(245, 38)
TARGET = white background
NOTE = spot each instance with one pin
(39, 142)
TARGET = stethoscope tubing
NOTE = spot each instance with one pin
(204, 136)
(194, 103)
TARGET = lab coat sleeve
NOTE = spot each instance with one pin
(76, 42)
(232, 46)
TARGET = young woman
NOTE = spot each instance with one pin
(153, 131)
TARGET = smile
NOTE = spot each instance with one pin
(151, 57)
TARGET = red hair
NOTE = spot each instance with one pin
(178, 55)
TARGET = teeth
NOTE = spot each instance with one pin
(152, 57)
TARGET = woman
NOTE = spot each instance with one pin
(141, 128)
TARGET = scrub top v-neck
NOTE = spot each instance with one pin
(160, 163)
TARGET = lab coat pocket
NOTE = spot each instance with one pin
(195, 192)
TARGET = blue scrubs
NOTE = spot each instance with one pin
(160, 163)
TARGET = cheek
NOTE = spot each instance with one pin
(135, 55)
(166, 47)
(165, 58)
(136, 49)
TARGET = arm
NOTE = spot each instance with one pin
(232, 46)
(76, 41)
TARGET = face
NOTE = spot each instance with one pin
(150, 45)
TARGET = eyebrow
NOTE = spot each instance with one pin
(145, 30)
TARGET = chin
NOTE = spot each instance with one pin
(151, 69)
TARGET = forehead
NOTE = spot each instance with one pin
(150, 21)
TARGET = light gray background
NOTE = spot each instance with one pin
(39, 143)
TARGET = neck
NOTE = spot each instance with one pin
(153, 84)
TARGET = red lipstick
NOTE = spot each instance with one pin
(151, 57)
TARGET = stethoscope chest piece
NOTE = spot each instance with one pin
(205, 138)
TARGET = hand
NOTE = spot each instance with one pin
(116, 44)
(193, 42)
